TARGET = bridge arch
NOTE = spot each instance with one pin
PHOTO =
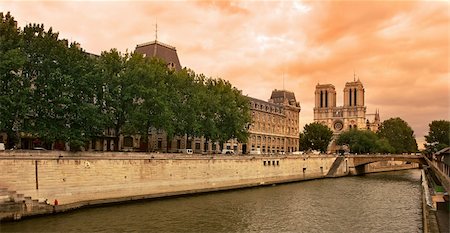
(359, 161)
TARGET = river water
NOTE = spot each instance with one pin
(382, 202)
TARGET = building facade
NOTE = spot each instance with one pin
(352, 115)
(275, 124)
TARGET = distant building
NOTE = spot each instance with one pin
(341, 118)
(275, 123)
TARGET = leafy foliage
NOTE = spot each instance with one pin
(363, 141)
(399, 135)
(14, 87)
(438, 136)
(315, 136)
(56, 92)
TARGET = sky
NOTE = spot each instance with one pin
(398, 49)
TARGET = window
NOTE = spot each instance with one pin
(128, 141)
(350, 98)
(159, 143)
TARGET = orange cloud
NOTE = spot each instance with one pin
(399, 50)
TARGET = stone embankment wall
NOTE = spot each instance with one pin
(76, 180)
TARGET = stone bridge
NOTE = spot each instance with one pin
(361, 160)
(357, 163)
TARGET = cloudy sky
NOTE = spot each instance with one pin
(398, 49)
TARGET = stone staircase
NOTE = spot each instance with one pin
(335, 166)
(14, 205)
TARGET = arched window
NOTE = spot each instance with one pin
(354, 93)
(326, 99)
(350, 98)
(321, 99)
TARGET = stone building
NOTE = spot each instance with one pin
(156, 140)
(275, 123)
(350, 116)
(275, 127)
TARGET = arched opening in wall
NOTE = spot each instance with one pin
(321, 99)
(128, 141)
(159, 143)
(326, 99)
(143, 144)
(350, 97)
(354, 99)
(387, 162)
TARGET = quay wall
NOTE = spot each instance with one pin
(76, 180)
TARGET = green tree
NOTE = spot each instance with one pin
(361, 141)
(63, 89)
(155, 96)
(438, 136)
(231, 114)
(119, 89)
(399, 135)
(315, 136)
(14, 86)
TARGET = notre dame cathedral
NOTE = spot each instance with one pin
(350, 116)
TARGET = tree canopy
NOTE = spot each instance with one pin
(399, 135)
(55, 91)
(438, 136)
(315, 136)
(363, 141)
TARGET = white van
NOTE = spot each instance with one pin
(185, 151)
(298, 152)
(227, 152)
(255, 152)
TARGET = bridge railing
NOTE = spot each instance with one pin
(444, 168)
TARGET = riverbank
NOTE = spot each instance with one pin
(52, 182)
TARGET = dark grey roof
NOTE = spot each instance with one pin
(279, 97)
(160, 50)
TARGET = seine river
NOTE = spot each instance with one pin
(383, 202)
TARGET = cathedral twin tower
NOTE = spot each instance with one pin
(350, 116)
